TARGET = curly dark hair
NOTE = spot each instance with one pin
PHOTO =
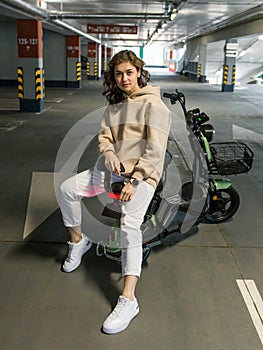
(111, 91)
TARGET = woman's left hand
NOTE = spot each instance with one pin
(127, 192)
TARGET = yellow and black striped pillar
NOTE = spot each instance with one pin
(20, 83)
(30, 56)
(225, 75)
(199, 71)
(78, 71)
(225, 85)
(201, 78)
(38, 84)
(43, 83)
(88, 69)
(233, 74)
(229, 78)
(95, 69)
(104, 65)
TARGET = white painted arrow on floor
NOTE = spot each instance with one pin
(246, 134)
(42, 200)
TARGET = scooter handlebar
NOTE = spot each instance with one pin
(175, 96)
(167, 95)
(194, 118)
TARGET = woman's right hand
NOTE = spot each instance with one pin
(112, 163)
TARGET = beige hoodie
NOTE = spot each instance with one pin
(137, 131)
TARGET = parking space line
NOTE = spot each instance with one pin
(256, 297)
(254, 304)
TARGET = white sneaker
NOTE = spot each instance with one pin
(121, 316)
(76, 252)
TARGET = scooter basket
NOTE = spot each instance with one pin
(231, 158)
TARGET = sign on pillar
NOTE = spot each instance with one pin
(30, 71)
(172, 62)
(73, 61)
(93, 60)
(229, 70)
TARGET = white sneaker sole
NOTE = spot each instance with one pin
(122, 327)
(89, 245)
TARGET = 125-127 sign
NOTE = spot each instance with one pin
(29, 47)
(27, 41)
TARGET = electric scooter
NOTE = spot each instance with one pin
(202, 199)
(223, 158)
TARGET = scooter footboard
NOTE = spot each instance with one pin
(172, 214)
(166, 212)
(175, 220)
(174, 237)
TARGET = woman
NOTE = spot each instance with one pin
(134, 132)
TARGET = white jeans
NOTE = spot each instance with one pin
(91, 183)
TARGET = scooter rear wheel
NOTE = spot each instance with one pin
(224, 207)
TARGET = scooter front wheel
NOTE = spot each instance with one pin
(224, 206)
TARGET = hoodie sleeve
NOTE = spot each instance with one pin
(150, 164)
(105, 137)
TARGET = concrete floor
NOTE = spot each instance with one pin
(188, 293)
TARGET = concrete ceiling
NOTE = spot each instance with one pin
(162, 22)
(165, 23)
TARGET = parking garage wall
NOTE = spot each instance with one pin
(55, 63)
(8, 57)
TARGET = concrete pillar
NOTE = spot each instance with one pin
(31, 90)
(201, 67)
(73, 61)
(93, 60)
(88, 69)
(109, 54)
(103, 59)
(229, 68)
(99, 59)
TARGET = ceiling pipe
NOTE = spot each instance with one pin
(81, 15)
(27, 8)
(17, 11)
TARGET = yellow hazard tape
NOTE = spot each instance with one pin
(20, 81)
(39, 85)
